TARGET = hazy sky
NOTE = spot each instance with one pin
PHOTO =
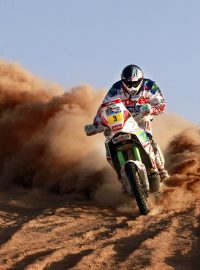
(74, 42)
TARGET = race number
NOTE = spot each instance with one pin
(114, 119)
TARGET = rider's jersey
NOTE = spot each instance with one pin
(149, 93)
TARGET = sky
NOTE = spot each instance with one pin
(90, 41)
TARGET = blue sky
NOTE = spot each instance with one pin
(87, 41)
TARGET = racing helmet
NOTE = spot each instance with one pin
(132, 78)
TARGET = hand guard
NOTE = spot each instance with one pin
(92, 129)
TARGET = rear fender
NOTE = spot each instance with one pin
(141, 171)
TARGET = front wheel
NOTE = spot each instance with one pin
(136, 186)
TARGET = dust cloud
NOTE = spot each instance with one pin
(43, 144)
(183, 163)
(42, 140)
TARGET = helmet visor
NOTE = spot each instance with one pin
(131, 84)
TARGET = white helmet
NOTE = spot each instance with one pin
(132, 78)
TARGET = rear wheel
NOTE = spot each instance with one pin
(137, 189)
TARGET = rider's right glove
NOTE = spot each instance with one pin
(93, 129)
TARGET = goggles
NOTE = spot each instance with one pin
(131, 84)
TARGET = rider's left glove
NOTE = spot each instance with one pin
(145, 109)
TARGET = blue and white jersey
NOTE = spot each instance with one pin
(149, 93)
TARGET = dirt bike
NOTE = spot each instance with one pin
(129, 151)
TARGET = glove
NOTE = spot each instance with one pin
(92, 129)
(145, 109)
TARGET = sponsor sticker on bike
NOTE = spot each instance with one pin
(121, 138)
(117, 127)
(113, 110)
(142, 135)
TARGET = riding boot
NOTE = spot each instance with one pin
(160, 161)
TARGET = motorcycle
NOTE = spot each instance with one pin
(129, 151)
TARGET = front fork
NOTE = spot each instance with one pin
(135, 153)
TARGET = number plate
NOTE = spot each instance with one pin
(114, 119)
(121, 138)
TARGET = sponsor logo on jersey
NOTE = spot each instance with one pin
(154, 89)
(128, 102)
(142, 100)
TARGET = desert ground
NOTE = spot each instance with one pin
(52, 232)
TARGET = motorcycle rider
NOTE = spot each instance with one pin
(140, 96)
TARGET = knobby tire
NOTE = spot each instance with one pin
(137, 189)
